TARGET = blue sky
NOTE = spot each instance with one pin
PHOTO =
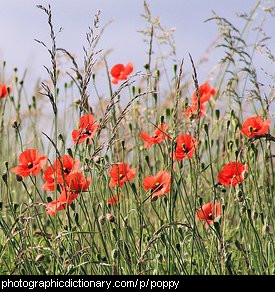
(21, 22)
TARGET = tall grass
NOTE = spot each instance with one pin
(138, 235)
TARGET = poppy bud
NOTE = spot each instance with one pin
(19, 178)
(130, 127)
(134, 90)
(146, 66)
(15, 125)
(34, 101)
(157, 73)
(175, 68)
(5, 178)
(200, 201)
(102, 220)
(60, 137)
(162, 119)
(93, 76)
(167, 112)
(217, 114)
(70, 152)
(249, 213)
(110, 217)
(178, 247)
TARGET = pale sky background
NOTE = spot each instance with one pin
(21, 22)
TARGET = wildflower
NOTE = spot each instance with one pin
(158, 184)
(60, 169)
(192, 111)
(4, 90)
(209, 212)
(30, 163)
(185, 146)
(120, 173)
(87, 129)
(76, 182)
(255, 126)
(157, 137)
(205, 93)
(64, 199)
(232, 174)
(121, 72)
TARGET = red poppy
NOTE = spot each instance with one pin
(76, 182)
(192, 111)
(158, 136)
(185, 146)
(30, 163)
(64, 199)
(255, 126)
(209, 212)
(205, 92)
(87, 129)
(121, 173)
(4, 90)
(232, 174)
(114, 200)
(60, 169)
(158, 184)
(121, 72)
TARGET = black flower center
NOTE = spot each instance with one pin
(30, 165)
(66, 171)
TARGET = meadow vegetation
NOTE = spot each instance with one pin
(167, 174)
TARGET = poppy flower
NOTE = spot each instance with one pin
(64, 199)
(87, 129)
(121, 72)
(30, 163)
(60, 169)
(121, 173)
(4, 90)
(232, 174)
(157, 137)
(76, 182)
(185, 146)
(255, 126)
(205, 92)
(209, 212)
(158, 184)
(192, 111)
